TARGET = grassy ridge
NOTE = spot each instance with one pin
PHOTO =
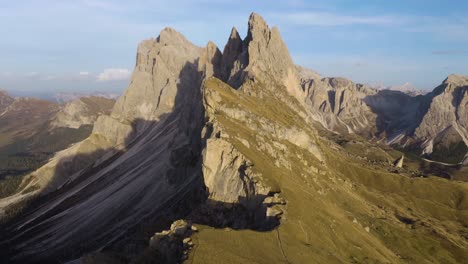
(352, 210)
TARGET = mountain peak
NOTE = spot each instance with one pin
(210, 61)
(171, 36)
(256, 19)
(257, 27)
(234, 34)
(459, 80)
(262, 55)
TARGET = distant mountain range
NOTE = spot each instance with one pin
(241, 156)
(407, 88)
(67, 97)
(32, 130)
(61, 97)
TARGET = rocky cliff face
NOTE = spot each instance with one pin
(228, 141)
(262, 55)
(434, 124)
(156, 122)
(339, 104)
(447, 118)
(407, 121)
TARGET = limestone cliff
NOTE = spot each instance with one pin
(414, 122)
(447, 117)
(339, 104)
(228, 141)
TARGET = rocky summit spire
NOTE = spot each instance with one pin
(264, 57)
(458, 80)
(210, 62)
(164, 66)
(231, 52)
(258, 28)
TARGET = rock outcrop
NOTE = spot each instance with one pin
(446, 117)
(415, 122)
(158, 121)
(263, 57)
(144, 155)
(399, 162)
(227, 141)
(339, 104)
(82, 111)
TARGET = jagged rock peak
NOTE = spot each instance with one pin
(450, 83)
(165, 67)
(171, 36)
(265, 58)
(234, 45)
(234, 34)
(231, 52)
(457, 80)
(257, 25)
(210, 62)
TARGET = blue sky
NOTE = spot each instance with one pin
(90, 45)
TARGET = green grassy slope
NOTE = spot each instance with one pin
(350, 209)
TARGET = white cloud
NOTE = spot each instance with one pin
(84, 73)
(114, 75)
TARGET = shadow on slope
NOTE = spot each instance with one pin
(120, 198)
(397, 112)
(112, 197)
(236, 216)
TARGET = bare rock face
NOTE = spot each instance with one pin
(231, 52)
(163, 66)
(397, 114)
(82, 111)
(416, 122)
(338, 104)
(226, 177)
(210, 61)
(143, 155)
(226, 171)
(399, 162)
(264, 57)
(446, 117)
(306, 74)
(225, 140)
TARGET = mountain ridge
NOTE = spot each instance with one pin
(231, 143)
